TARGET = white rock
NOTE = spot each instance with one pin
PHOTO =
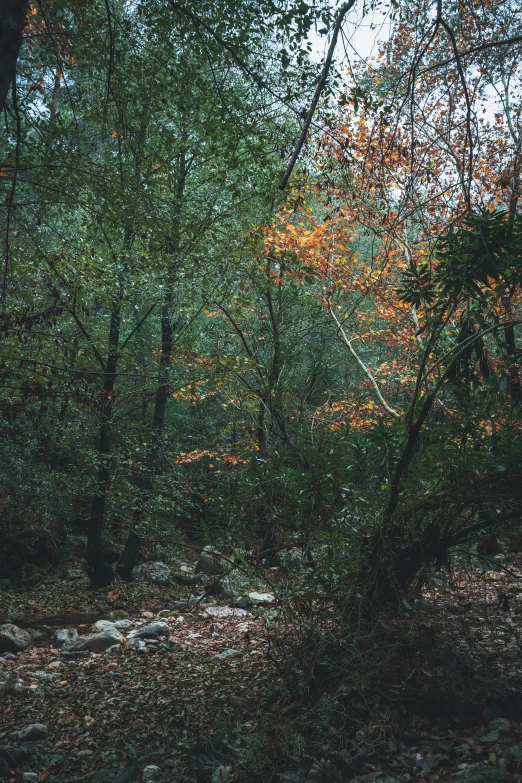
(230, 653)
(262, 599)
(103, 625)
(30, 777)
(151, 772)
(218, 612)
(158, 573)
(122, 624)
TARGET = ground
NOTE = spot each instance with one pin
(199, 718)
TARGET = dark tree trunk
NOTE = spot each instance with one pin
(12, 22)
(100, 573)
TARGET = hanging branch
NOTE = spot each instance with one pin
(318, 90)
(361, 364)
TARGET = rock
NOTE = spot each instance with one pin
(134, 643)
(262, 599)
(151, 772)
(8, 657)
(230, 653)
(165, 613)
(117, 614)
(492, 576)
(30, 777)
(513, 758)
(14, 756)
(13, 639)
(136, 639)
(185, 576)
(157, 573)
(73, 655)
(501, 725)
(43, 675)
(122, 624)
(32, 733)
(219, 612)
(6, 683)
(74, 573)
(64, 636)
(149, 631)
(210, 562)
(103, 625)
(95, 642)
(34, 634)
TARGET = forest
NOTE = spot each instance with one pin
(261, 391)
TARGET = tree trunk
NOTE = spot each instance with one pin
(12, 22)
(100, 573)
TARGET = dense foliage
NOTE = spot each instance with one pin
(191, 353)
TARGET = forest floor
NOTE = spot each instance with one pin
(176, 713)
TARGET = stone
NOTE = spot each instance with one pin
(30, 777)
(13, 638)
(262, 599)
(220, 612)
(211, 563)
(134, 643)
(95, 642)
(492, 576)
(151, 772)
(34, 634)
(117, 614)
(74, 573)
(74, 655)
(513, 758)
(6, 683)
(34, 732)
(122, 624)
(43, 675)
(501, 725)
(64, 636)
(157, 573)
(8, 657)
(149, 631)
(165, 613)
(103, 625)
(185, 576)
(14, 756)
(230, 653)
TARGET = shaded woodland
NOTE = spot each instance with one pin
(260, 342)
